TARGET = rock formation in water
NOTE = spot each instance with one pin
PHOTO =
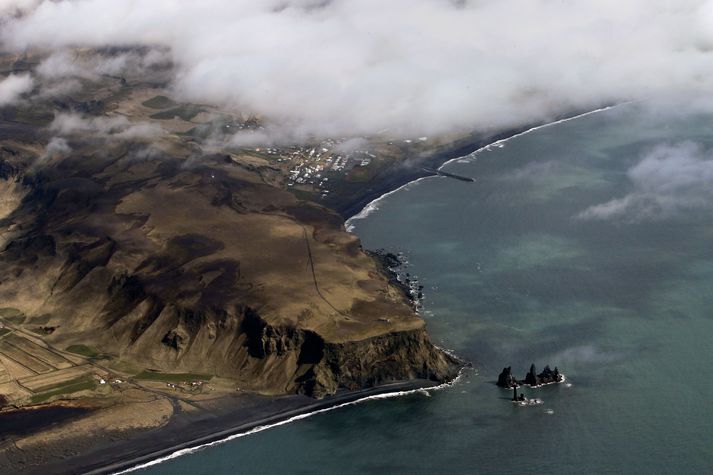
(549, 376)
(506, 379)
(532, 378)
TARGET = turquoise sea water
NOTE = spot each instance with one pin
(587, 245)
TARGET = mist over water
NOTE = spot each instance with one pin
(581, 245)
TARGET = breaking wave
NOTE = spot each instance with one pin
(374, 205)
(187, 451)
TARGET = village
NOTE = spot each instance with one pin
(311, 167)
(318, 166)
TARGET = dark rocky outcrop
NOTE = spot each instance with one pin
(175, 339)
(386, 358)
(532, 378)
(389, 262)
(506, 379)
(549, 376)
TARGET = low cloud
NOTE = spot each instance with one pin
(585, 354)
(56, 148)
(668, 181)
(352, 145)
(115, 127)
(13, 87)
(412, 67)
(16, 7)
(64, 63)
(535, 171)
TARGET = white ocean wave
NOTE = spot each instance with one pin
(501, 143)
(179, 453)
(374, 205)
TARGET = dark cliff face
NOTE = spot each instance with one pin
(506, 379)
(393, 357)
(323, 368)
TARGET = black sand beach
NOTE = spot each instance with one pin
(185, 430)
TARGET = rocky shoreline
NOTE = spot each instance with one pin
(393, 266)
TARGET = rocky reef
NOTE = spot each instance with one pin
(532, 378)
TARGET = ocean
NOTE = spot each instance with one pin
(586, 245)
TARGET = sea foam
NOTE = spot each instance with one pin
(187, 451)
(374, 205)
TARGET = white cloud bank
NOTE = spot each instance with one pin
(416, 67)
(13, 87)
(671, 179)
(11, 7)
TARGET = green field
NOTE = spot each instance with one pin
(172, 377)
(83, 350)
(75, 386)
(159, 102)
(4, 331)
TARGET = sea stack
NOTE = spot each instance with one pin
(506, 379)
(548, 376)
(531, 379)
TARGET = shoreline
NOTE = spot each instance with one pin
(388, 391)
(535, 129)
(308, 408)
(443, 159)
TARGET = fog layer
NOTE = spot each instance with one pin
(410, 67)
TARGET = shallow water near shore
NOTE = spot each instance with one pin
(519, 268)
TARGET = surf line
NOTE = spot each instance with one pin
(374, 205)
(535, 129)
(261, 428)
